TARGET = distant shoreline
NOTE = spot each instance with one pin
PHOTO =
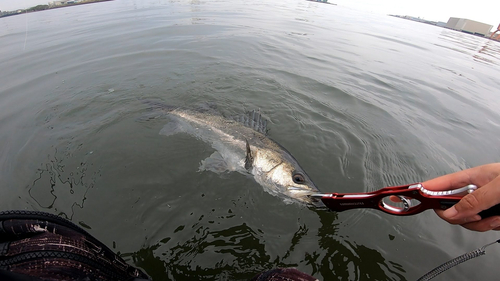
(41, 8)
(480, 35)
(324, 2)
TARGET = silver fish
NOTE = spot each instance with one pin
(241, 145)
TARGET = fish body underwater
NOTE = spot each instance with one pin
(241, 145)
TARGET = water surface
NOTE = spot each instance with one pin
(361, 100)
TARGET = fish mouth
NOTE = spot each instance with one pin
(298, 189)
(305, 196)
(317, 204)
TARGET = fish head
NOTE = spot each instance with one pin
(282, 174)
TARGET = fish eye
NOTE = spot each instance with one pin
(298, 178)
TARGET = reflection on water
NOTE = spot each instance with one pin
(62, 184)
(482, 49)
(239, 252)
(341, 259)
(489, 52)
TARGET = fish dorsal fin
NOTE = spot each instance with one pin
(254, 120)
(248, 158)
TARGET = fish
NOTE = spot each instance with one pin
(241, 145)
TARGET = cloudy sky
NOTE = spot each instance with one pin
(487, 11)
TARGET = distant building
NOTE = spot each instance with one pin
(63, 2)
(469, 26)
(57, 3)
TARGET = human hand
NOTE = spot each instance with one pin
(465, 212)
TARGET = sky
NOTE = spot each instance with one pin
(486, 11)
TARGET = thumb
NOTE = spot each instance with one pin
(467, 209)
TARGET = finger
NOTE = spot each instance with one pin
(459, 221)
(492, 223)
(395, 199)
(476, 224)
(479, 176)
(448, 182)
(475, 202)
